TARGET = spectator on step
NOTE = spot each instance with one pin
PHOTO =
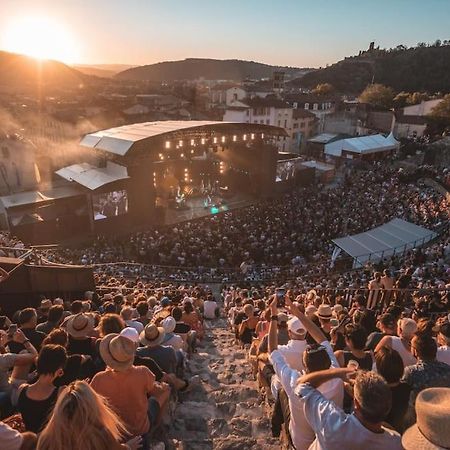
(54, 318)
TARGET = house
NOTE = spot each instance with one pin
(268, 111)
(304, 125)
(226, 94)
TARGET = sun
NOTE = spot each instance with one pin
(39, 37)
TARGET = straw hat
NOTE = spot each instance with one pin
(152, 335)
(431, 431)
(117, 351)
(45, 305)
(324, 311)
(80, 325)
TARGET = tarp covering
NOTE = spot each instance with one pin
(362, 145)
(93, 177)
(393, 237)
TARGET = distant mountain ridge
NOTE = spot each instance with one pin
(20, 70)
(210, 69)
(102, 70)
(418, 69)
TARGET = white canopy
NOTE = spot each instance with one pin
(392, 238)
(93, 177)
(362, 145)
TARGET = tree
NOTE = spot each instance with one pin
(401, 99)
(377, 95)
(323, 89)
(440, 115)
(417, 97)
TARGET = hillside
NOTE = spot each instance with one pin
(413, 70)
(19, 71)
(210, 69)
(101, 70)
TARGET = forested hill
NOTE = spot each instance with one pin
(210, 69)
(419, 69)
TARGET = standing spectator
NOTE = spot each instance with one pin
(210, 308)
(82, 420)
(127, 316)
(142, 309)
(336, 430)
(387, 284)
(375, 287)
(406, 329)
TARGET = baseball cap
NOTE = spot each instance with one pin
(130, 333)
(295, 326)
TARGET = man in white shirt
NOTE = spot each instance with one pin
(11, 439)
(443, 340)
(314, 358)
(336, 430)
(209, 308)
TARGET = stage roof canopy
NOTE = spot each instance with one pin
(362, 145)
(393, 237)
(44, 195)
(121, 140)
(92, 177)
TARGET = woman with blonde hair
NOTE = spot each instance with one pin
(82, 420)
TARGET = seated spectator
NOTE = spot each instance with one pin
(355, 340)
(142, 309)
(140, 398)
(193, 319)
(170, 338)
(82, 420)
(443, 339)
(19, 364)
(336, 430)
(54, 318)
(389, 365)
(427, 372)
(166, 357)
(386, 325)
(36, 401)
(27, 322)
(248, 325)
(80, 328)
(13, 440)
(430, 432)
(406, 329)
(127, 314)
(210, 308)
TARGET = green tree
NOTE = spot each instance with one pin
(440, 116)
(377, 95)
(323, 89)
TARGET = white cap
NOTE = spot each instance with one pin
(130, 333)
(295, 326)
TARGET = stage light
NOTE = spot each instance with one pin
(167, 144)
(192, 142)
(161, 156)
(215, 140)
(192, 151)
(203, 141)
(252, 136)
(244, 137)
(262, 135)
(180, 143)
(182, 155)
(223, 139)
(186, 169)
(234, 138)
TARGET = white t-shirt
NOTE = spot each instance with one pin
(301, 433)
(443, 354)
(293, 353)
(407, 357)
(209, 309)
(138, 326)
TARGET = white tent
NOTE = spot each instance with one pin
(392, 238)
(362, 145)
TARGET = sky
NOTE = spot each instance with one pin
(299, 33)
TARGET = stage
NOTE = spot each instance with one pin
(194, 208)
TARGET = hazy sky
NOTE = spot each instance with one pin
(286, 32)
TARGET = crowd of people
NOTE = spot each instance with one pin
(101, 373)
